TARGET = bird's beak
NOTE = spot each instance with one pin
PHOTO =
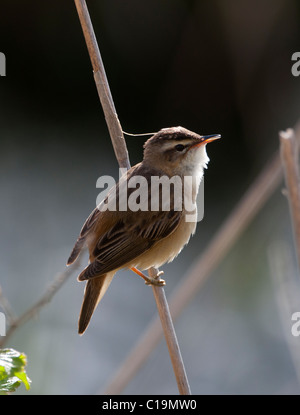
(209, 138)
(204, 139)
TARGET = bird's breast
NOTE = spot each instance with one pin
(168, 248)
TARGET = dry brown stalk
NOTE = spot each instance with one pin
(289, 156)
(120, 149)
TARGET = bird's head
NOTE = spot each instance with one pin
(177, 150)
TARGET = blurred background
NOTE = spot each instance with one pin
(210, 66)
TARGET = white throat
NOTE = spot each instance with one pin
(195, 162)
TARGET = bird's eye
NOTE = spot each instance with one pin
(179, 147)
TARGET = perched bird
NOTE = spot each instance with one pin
(141, 239)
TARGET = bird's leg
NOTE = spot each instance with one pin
(150, 280)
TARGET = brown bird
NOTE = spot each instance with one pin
(154, 227)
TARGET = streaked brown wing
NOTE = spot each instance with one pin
(126, 241)
(87, 227)
(90, 222)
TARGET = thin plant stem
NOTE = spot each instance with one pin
(121, 153)
(286, 290)
(58, 281)
(289, 157)
(102, 85)
(170, 335)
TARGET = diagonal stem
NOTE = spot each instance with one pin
(289, 156)
(121, 152)
(170, 334)
(102, 85)
(58, 281)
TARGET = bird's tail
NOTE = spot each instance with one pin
(94, 291)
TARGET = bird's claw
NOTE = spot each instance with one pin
(150, 280)
(156, 280)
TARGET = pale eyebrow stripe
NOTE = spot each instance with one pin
(172, 144)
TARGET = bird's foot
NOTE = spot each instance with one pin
(150, 280)
(156, 280)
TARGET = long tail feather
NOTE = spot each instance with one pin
(93, 293)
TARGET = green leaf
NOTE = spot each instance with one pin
(9, 385)
(12, 370)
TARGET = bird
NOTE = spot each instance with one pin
(139, 239)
